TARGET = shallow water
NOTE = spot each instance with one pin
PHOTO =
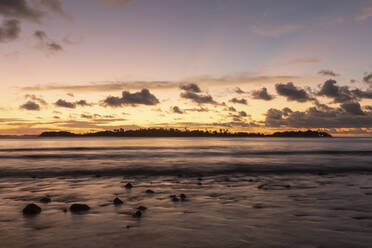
(241, 192)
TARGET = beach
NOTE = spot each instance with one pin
(239, 192)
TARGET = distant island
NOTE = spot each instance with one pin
(172, 132)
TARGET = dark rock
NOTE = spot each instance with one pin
(183, 197)
(32, 209)
(174, 198)
(137, 214)
(142, 208)
(45, 200)
(149, 191)
(128, 186)
(64, 210)
(98, 175)
(117, 201)
(75, 208)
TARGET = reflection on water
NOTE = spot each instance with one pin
(239, 192)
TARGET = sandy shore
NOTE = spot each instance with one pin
(219, 211)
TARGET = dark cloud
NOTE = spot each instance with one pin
(177, 110)
(190, 87)
(352, 108)
(243, 114)
(368, 79)
(192, 92)
(19, 9)
(321, 116)
(37, 99)
(239, 101)
(30, 106)
(292, 93)
(262, 94)
(232, 109)
(339, 94)
(9, 30)
(328, 73)
(46, 43)
(198, 98)
(343, 94)
(143, 97)
(83, 103)
(65, 104)
(239, 91)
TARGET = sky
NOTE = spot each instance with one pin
(243, 65)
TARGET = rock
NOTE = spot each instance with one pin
(75, 208)
(174, 198)
(137, 214)
(117, 201)
(183, 197)
(32, 209)
(149, 191)
(128, 186)
(64, 210)
(142, 208)
(45, 200)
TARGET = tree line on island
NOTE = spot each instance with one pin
(172, 132)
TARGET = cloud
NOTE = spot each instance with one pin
(328, 73)
(37, 99)
(19, 9)
(305, 61)
(192, 92)
(320, 116)
(29, 105)
(143, 97)
(292, 93)
(83, 103)
(239, 101)
(198, 98)
(118, 2)
(190, 87)
(46, 43)
(177, 110)
(9, 30)
(352, 108)
(65, 104)
(275, 31)
(108, 86)
(368, 79)
(237, 90)
(262, 94)
(366, 13)
(55, 6)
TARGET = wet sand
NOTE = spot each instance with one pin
(296, 210)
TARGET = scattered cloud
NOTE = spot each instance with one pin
(320, 116)
(37, 99)
(143, 97)
(191, 87)
(292, 93)
(65, 104)
(20, 9)
(368, 79)
(9, 30)
(366, 13)
(262, 94)
(239, 101)
(275, 31)
(177, 110)
(47, 44)
(328, 73)
(56, 6)
(305, 61)
(30, 105)
(352, 108)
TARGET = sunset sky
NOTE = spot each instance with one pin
(255, 66)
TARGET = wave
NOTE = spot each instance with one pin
(219, 169)
(196, 153)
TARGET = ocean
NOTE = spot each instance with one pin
(241, 192)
